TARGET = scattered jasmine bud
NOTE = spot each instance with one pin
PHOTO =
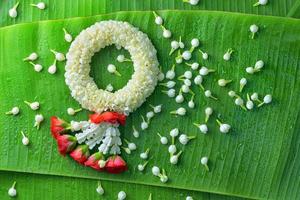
(261, 2)
(208, 94)
(181, 44)
(135, 133)
(205, 71)
(253, 30)
(249, 103)
(166, 33)
(224, 128)
(208, 113)
(68, 37)
(171, 92)
(144, 124)
(194, 65)
(40, 5)
(127, 150)
(254, 97)
(161, 76)
(267, 100)
(195, 43)
(198, 81)
(141, 167)
(100, 189)
(174, 158)
(121, 58)
(121, 195)
(158, 20)
(171, 73)
(202, 127)
(34, 105)
(156, 109)
(38, 120)
(204, 55)
(174, 47)
(192, 2)
(32, 57)
(174, 133)
(188, 74)
(186, 55)
(185, 88)
(149, 115)
(191, 104)
(240, 102)
(180, 111)
(37, 67)
(227, 55)
(187, 82)
(232, 94)
(184, 139)
(131, 145)
(113, 70)
(204, 161)
(144, 155)
(12, 192)
(259, 65)
(109, 88)
(13, 111)
(13, 13)
(163, 177)
(163, 139)
(58, 56)
(179, 98)
(155, 171)
(189, 198)
(52, 69)
(243, 82)
(172, 149)
(178, 58)
(250, 70)
(25, 140)
(72, 111)
(223, 82)
(169, 84)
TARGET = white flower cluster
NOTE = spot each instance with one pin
(90, 41)
(106, 135)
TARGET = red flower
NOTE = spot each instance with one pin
(65, 143)
(111, 117)
(58, 126)
(115, 165)
(93, 161)
(80, 154)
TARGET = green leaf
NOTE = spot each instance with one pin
(34, 186)
(259, 158)
(60, 9)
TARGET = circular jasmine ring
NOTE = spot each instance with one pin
(93, 39)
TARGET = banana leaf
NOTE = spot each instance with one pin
(60, 9)
(258, 159)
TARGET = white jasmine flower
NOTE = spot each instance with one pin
(144, 124)
(32, 57)
(204, 161)
(172, 149)
(163, 139)
(259, 65)
(39, 118)
(205, 71)
(121, 58)
(232, 94)
(13, 111)
(58, 55)
(156, 109)
(202, 127)
(13, 13)
(184, 139)
(37, 67)
(191, 104)
(174, 47)
(240, 102)
(166, 33)
(40, 5)
(171, 73)
(253, 29)
(189, 198)
(179, 98)
(144, 155)
(185, 88)
(192, 2)
(33, 105)
(25, 140)
(198, 81)
(204, 55)
(194, 65)
(180, 111)
(121, 195)
(224, 128)
(267, 100)
(131, 145)
(12, 192)
(113, 70)
(249, 103)
(223, 82)
(188, 74)
(227, 55)
(186, 55)
(174, 158)
(52, 68)
(135, 133)
(171, 92)
(261, 2)
(161, 76)
(72, 111)
(250, 70)
(208, 94)
(174, 132)
(243, 82)
(149, 115)
(158, 20)
(141, 167)
(163, 177)
(68, 37)
(187, 82)
(169, 84)
(195, 42)
(155, 170)
(208, 113)
(109, 88)
(100, 189)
